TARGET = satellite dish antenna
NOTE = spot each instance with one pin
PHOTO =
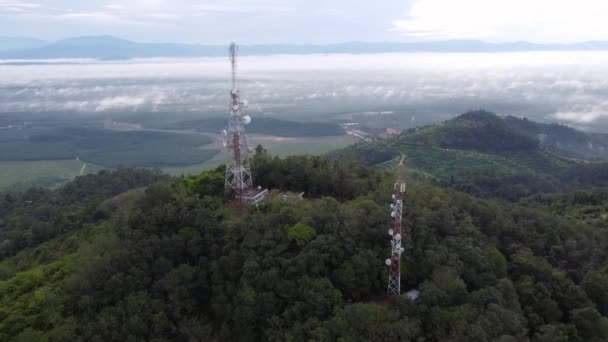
(247, 119)
(245, 103)
(390, 232)
(393, 214)
(387, 262)
(234, 91)
(398, 237)
(235, 107)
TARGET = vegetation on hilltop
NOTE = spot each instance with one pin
(171, 262)
(485, 132)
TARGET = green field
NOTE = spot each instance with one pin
(106, 147)
(275, 145)
(47, 173)
(52, 173)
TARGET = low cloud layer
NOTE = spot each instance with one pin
(567, 87)
(514, 20)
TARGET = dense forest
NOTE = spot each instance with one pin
(134, 255)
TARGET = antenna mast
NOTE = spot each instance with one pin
(238, 172)
(394, 262)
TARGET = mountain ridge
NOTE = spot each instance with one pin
(19, 43)
(82, 47)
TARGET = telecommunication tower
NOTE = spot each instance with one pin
(238, 171)
(394, 262)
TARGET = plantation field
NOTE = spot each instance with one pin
(46, 173)
(105, 147)
(424, 154)
(52, 173)
(280, 146)
(305, 145)
(443, 163)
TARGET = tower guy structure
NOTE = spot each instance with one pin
(238, 172)
(394, 262)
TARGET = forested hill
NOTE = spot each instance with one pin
(168, 261)
(564, 140)
(485, 132)
(482, 154)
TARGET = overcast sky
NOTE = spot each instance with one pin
(308, 21)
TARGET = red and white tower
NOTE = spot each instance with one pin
(394, 262)
(238, 171)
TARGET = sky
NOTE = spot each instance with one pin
(308, 21)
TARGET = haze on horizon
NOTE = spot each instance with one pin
(308, 21)
(567, 87)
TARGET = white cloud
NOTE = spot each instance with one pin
(114, 6)
(584, 115)
(17, 6)
(94, 17)
(570, 87)
(242, 8)
(502, 20)
(119, 102)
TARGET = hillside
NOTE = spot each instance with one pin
(562, 139)
(478, 152)
(169, 261)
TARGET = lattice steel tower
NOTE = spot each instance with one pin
(394, 262)
(238, 171)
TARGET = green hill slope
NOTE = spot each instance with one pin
(464, 152)
(562, 139)
(170, 262)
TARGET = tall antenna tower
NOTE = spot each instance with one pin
(238, 171)
(394, 262)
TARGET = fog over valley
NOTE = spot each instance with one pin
(418, 88)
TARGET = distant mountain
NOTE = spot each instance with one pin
(108, 47)
(19, 43)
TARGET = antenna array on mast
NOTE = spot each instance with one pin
(238, 172)
(394, 262)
